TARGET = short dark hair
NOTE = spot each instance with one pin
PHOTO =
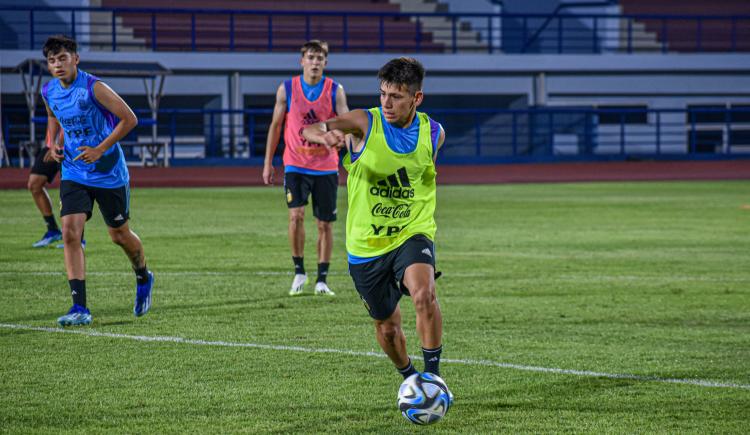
(403, 71)
(316, 46)
(58, 43)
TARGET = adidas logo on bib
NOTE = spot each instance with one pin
(310, 117)
(394, 186)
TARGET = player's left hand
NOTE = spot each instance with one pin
(88, 154)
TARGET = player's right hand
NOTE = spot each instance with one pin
(55, 153)
(334, 139)
(48, 156)
(268, 172)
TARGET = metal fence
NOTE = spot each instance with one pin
(208, 136)
(160, 29)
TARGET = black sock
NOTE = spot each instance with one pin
(432, 360)
(78, 291)
(322, 272)
(408, 370)
(299, 265)
(51, 224)
(141, 275)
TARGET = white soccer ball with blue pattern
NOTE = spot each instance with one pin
(424, 398)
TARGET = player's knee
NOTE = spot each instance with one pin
(389, 331)
(423, 298)
(118, 237)
(297, 217)
(70, 235)
(34, 186)
(324, 227)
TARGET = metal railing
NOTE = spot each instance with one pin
(212, 136)
(585, 133)
(166, 29)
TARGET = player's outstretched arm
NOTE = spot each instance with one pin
(332, 133)
(117, 106)
(274, 133)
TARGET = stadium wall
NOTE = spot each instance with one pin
(15, 178)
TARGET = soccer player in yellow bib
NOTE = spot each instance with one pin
(390, 226)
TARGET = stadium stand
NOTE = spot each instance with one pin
(253, 32)
(707, 32)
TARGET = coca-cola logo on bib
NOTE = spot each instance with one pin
(399, 211)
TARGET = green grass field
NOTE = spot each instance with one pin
(591, 307)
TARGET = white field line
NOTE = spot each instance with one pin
(180, 340)
(565, 278)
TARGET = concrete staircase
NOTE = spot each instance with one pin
(442, 28)
(101, 33)
(641, 39)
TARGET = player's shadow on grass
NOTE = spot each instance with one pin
(114, 323)
(48, 317)
(282, 301)
(51, 317)
(236, 303)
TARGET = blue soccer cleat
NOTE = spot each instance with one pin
(48, 238)
(77, 315)
(143, 296)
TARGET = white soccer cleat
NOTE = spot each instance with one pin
(298, 284)
(322, 289)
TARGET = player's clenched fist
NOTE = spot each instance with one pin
(334, 139)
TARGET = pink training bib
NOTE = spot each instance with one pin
(302, 113)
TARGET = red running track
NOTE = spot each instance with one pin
(14, 178)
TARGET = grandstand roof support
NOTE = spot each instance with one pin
(31, 76)
(540, 89)
(154, 98)
(33, 69)
(236, 103)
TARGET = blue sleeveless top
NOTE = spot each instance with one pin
(86, 123)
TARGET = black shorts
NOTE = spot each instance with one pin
(79, 198)
(379, 282)
(47, 169)
(298, 187)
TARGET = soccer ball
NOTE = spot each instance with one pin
(423, 398)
